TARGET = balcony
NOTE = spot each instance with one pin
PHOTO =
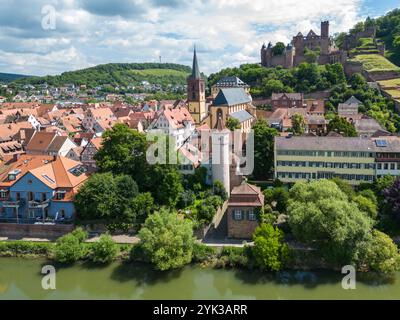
(11, 204)
(39, 204)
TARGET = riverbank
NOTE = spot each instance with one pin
(203, 256)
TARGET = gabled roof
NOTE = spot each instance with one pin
(231, 97)
(246, 194)
(290, 96)
(41, 141)
(311, 34)
(353, 100)
(59, 173)
(176, 117)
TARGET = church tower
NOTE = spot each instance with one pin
(196, 93)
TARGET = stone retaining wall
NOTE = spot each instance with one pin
(34, 230)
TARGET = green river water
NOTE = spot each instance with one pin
(21, 279)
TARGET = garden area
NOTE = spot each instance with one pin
(375, 62)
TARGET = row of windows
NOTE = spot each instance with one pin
(240, 215)
(337, 165)
(388, 166)
(340, 165)
(343, 154)
(31, 196)
(323, 175)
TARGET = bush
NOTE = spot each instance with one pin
(68, 249)
(203, 253)
(105, 250)
(80, 234)
(21, 248)
(235, 256)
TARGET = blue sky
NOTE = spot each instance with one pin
(227, 33)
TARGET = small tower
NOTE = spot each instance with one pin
(325, 29)
(196, 92)
(263, 55)
(289, 56)
(220, 154)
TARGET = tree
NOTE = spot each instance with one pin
(273, 86)
(277, 198)
(233, 124)
(167, 240)
(219, 190)
(105, 250)
(321, 215)
(263, 149)
(342, 126)
(392, 200)
(278, 49)
(97, 198)
(269, 251)
(378, 253)
(311, 56)
(366, 205)
(123, 152)
(298, 124)
(358, 82)
(167, 184)
(345, 187)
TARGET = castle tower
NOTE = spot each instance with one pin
(289, 56)
(263, 55)
(196, 92)
(325, 29)
(220, 154)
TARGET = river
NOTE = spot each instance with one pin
(21, 279)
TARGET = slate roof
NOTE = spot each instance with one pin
(231, 97)
(335, 144)
(231, 82)
(195, 68)
(241, 115)
(353, 100)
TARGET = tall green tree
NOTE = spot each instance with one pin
(321, 214)
(166, 240)
(298, 124)
(263, 149)
(269, 251)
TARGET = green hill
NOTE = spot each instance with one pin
(118, 74)
(9, 77)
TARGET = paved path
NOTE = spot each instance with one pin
(121, 239)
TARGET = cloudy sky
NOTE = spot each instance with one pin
(83, 33)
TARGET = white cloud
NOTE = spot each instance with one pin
(227, 32)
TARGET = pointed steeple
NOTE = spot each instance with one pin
(195, 68)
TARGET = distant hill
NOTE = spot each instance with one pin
(118, 74)
(9, 77)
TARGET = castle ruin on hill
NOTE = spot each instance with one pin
(294, 53)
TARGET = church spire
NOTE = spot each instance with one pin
(195, 68)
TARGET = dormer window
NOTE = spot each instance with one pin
(60, 195)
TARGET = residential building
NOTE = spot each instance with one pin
(355, 160)
(49, 143)
(177, 123)
(39, 189)
(88, 153)
(95, 115)
(287, 100)
(243, 211)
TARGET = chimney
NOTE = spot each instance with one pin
(16, 156)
